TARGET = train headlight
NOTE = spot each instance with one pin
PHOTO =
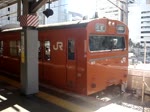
(111, 23)
(120, 29)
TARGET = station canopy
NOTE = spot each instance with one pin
(5, 3)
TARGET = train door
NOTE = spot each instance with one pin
(44, 58)
(71, 63)
(40, 56)
(1, 54)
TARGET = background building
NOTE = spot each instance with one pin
(109, 10)
(139, 27)
(8, 15)
(139, 21)
(145, 24)
(68, 10)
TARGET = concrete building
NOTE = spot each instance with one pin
(8, 15)
(145, 24)
(139, 26)
(109, 10)
(61, 12)
(64, 10)
(139, 21)
(60, 8)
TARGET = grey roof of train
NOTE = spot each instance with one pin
(81, 23)
(65, 23)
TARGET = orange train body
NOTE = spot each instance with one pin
(83, 57)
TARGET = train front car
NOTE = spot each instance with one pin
(107, 54)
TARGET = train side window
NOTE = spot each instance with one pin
(1, 48)
(71, 49)
(19, 48)
(47, 50)
(39, 49)
(15, 48)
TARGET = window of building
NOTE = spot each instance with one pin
(144, 17)
(15, 48)
(145, 12)
(47, 50)
(1, 48)
(145, 31)
(115, 10)
(145, 22)
(71, 49)
(98, 43)
(145, 41)
(144, 27)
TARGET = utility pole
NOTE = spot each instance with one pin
(124, 10)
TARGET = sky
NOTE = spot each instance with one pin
(84, 7)
(87, 7)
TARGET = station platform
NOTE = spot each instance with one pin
(46, 100)
(53, 100)
(12, 101)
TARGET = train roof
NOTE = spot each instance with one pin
(72, 24)
(9, 29)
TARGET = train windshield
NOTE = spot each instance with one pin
(101, 43)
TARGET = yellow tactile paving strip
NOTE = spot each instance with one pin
(50, 98)
(10, 81)
(62, 103)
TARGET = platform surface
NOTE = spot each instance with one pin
(11, 100)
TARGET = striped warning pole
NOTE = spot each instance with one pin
(29, 53)
(29, 20)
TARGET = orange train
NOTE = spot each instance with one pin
(84, 57)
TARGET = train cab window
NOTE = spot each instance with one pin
(47, 50)
(71, 49)
(98, 43)
(15, 48)
(1, 48)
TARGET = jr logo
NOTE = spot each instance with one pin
(58, 46)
